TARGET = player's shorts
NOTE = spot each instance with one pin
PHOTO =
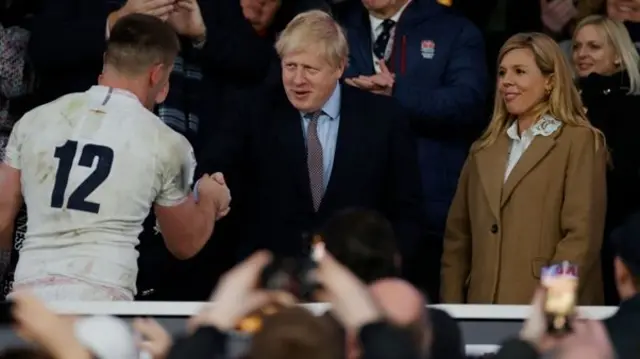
(59, 288)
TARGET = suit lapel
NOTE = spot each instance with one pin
(537, 150)
(492, 163)
(343, 158)
(291, 140)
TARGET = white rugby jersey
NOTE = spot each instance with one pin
(92, 164)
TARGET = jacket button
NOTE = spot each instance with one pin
(494, 228)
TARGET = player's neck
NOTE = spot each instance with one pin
(118, 81)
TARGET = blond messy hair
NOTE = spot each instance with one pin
(315, 30)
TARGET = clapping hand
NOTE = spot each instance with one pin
(155, 339)
(381, 83)
(158, 8)
(187, 20)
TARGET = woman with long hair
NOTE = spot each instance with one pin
(607, 65)
(532, 191)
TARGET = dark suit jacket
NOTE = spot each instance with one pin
(264, 158)
(624, 328)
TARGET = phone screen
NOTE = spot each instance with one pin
(561, 284)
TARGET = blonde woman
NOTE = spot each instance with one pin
(532, 191)
(606, 62)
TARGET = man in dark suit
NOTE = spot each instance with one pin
(317, 147)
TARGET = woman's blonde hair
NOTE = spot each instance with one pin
(562, 102)
(618, 37)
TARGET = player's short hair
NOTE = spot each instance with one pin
(137, 42)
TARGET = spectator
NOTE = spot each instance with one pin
(299, 171)
(624, 325)
(364, 242)
(627, 11)
(442, 87)
(606, 62)
(533, 189)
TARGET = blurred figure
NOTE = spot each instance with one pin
(84, 222)
(627, 11)
(363, 241)
(606, 62)
(533, 189)
(295, 333)
(320, 147)
(624, 325)
(432, 62)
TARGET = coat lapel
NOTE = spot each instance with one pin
(343, 158)
(363, 50)
(538, 149)
(492, 163)
(294, 149)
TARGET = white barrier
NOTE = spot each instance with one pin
(186, 309)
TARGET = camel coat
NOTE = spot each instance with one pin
(551, 208)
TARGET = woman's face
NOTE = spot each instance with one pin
(593, 53)
(520, 82)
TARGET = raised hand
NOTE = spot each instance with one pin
(187, 20)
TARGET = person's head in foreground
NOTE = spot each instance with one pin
(294, 333)
(313, 50)
(627, 260)
(603, 46)
(364, 241)
(404, 306)
(533, 80)
(139, 57)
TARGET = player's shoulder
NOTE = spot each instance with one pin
(54, 110)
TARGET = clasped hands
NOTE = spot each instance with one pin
(214, 188)
(381, 83)
(183, 15)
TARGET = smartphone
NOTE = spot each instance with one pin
(561, 284)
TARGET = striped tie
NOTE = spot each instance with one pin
(314, 159)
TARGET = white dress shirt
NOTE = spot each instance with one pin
(376, 30)
(519, 143)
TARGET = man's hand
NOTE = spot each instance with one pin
(158, 8)
(260, 13)
(213, 188)
(350, 300)
(381, 83)
(187, 20)
(236, 295)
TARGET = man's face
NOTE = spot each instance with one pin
(309, 79)
(377, 5)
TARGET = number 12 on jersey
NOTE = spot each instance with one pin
(78, 198)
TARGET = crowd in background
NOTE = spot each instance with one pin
(432, 106)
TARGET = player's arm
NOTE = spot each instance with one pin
(10, 194)
(186, 224)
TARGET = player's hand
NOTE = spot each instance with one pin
(187, 20)
(159, 8)
(155, 339)
(260, 13)
(213, 188)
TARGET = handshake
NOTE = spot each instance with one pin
(214, 188)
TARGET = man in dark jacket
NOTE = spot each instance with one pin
(433, 63)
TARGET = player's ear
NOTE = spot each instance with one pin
(162, 94)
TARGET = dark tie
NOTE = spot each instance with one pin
(380, 45)
(314, 159)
